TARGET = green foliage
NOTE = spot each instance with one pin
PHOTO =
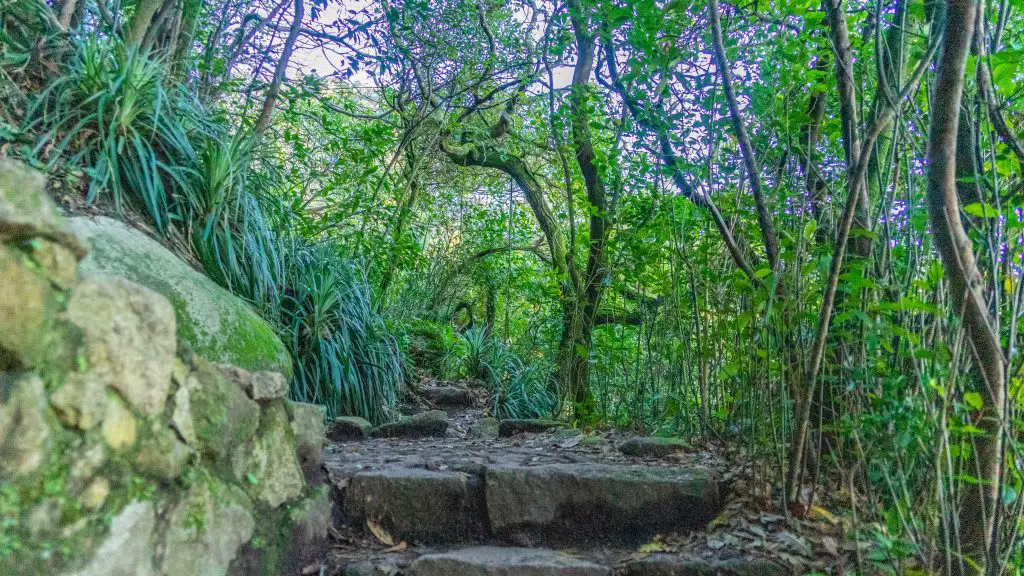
(112, 114)
(346, 358)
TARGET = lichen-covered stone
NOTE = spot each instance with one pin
(215, 324)
(261, 385)
(307, 423)
(119, 427)
(485, 428)
(673, 565)
(27, 309)
(306, 541)
(501, 561)
(448, 396)
(95, 494)
(181, 415)
(81, 400)
(580, 502)
(26, 211)
(128, 548)
(422, 425)
(267, 465)
(513, 426)
(416, 504)
(129, 339)
(24, 432)
(160, 454)
(652, 446)
(223, 417)
(56, 262)
(206, 528)
(349, 428)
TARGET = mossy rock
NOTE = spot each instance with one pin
(214, 323)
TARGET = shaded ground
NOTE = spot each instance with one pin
(748, 528)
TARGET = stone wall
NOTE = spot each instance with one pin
(121, 453)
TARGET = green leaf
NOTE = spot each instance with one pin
(981, 210)
(974, 400)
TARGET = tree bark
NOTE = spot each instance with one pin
(141, 21)
(764, 218)
(282, 67)
(965, 281)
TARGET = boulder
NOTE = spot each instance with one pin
(27, 212)
(652, 446)
(128, 548)
(422, 425)
(307, 423)
(119, 425)
(222, 416)
(485, 428)
(416, 504)
(514, 426)
(596, 502)
(448, 396)
(349, 428)
(27, 311)
(129, 339)
(497, 561)
(261, 386)
(81, 400)
(206, 528)
(161, 455)
(309, 522)
(267, 465)
(214, 323)
(24, 432)
(672, 565)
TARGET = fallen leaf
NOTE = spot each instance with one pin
(819, 513)
(380, 533)
(830, 545)
(398, 547)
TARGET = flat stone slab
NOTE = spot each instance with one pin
(652, 446)
(670, 565)
(595, 502)
(349, 428)
(417, 505)
(448, 396)
(514, 426)
(496, 561)
(422, 425)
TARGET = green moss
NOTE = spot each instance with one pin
(210, 320)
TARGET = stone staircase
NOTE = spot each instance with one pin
(450, 502)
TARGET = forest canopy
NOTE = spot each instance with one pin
(791, 226)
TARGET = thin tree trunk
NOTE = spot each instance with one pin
(965, 281)
(764, 218)
(282, 67)
(141, 21)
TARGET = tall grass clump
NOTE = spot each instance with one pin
(346, 358)
(111, 114)
(517, 390)
(146, 144)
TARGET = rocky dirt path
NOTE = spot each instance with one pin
(451, 492)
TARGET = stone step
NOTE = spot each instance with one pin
(448, 396)
(509, 561)
(532, 505)
(596, 502)
(496, 561)
(417, 505)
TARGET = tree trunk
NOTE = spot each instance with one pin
(965, 281)
(282, 66)
(141, 21)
